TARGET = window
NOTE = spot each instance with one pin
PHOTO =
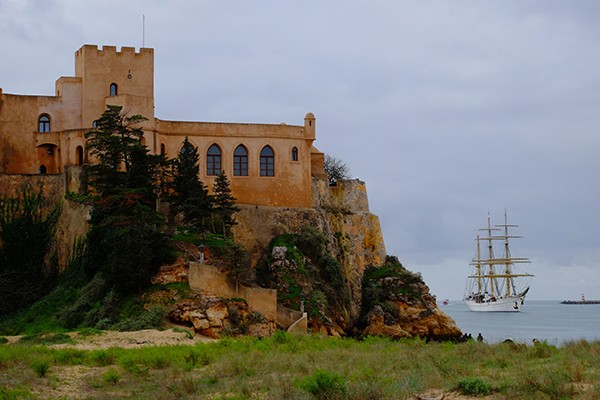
(267, 162)
(95, 124)
(213, 160)
(240, 161)
(113, 89)
(162, 149)
(294, 153)
(44, 123)
(79, 155)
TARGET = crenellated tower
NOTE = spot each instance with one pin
(124, 78)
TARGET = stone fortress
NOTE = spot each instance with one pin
(267, 164)
(276, 173)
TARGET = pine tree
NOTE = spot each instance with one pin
(123, 162)
(125, 242)
(189, 195)
(224, 203)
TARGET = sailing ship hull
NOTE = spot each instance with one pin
(506, 304)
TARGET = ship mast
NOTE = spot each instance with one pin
(508, 260)
(478, 266)
(492, 274)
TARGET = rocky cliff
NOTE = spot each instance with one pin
(353, 237)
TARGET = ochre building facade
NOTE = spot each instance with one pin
(267, 164)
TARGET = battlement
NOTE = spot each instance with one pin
(92, 50)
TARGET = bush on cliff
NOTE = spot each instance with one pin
(27, 264)
(309, 273)
(388, 283)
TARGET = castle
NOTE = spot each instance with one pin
(267, 164)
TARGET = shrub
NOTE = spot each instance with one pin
(13, 394)
(103, 358)
(154, 318)
(40, 367)
(27, 260)
(281, 336)
(111, 376)
(324, 385)
(474, 386)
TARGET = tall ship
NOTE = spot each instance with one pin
(495, 284)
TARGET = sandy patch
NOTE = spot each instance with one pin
(128, 340)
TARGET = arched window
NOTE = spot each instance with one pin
(294, 153)
(79, 155)
(213, 160)
(95, 124)
(113, 89)
(163, 150)
(240, 161)
(267, 162)
(44, 123)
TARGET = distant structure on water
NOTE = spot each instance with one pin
(582, 301)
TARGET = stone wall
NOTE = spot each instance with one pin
(209, 279)
(347, 196)
(53, 186)
(73, 225)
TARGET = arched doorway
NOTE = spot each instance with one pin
(47, 156)
(79, 155)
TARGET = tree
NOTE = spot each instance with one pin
(26, 239)
(123, 161)
(125, 242)
(188, 194)
(224, 203)
(335, 169)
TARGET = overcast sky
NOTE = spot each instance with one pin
(448, 110)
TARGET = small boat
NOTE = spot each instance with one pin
(445, 302)
(493, 284)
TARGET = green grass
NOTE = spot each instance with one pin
(305, 367)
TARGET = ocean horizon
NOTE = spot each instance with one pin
(544, 320)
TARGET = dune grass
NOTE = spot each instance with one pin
(304, 367)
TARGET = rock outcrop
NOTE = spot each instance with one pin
(340, 212)
(215, 317)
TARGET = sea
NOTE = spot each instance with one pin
(547, 320)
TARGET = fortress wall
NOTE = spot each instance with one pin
(223, 129)
(348, 196)
(53, 186)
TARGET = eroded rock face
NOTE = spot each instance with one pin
(410, 310)
(356, 240)
(176, 272)
(341, 213)
(417, 321)
(215, 317)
